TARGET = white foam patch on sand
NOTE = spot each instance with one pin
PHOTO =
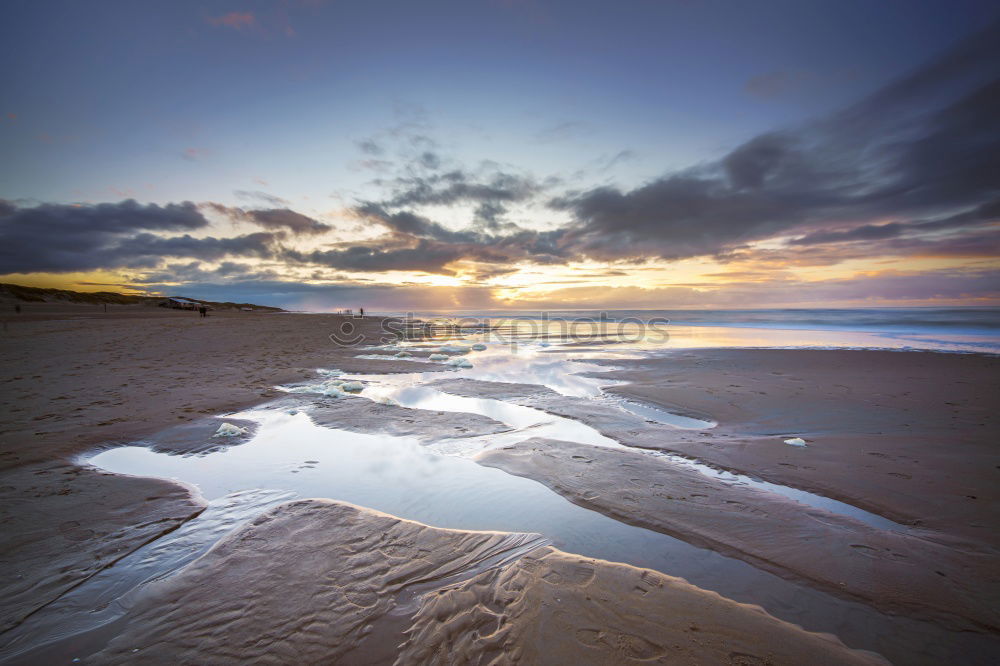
(331, 388)
(229, 430)
(795, 441)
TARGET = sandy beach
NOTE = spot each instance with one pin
(511, 332)
(905, 440)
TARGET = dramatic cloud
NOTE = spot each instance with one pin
(914, 170)
(60, 238)
(923, 152)
(146, 250)
(925, 145)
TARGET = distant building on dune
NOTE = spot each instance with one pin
(180, 303)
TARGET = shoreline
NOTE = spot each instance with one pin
(21, 462)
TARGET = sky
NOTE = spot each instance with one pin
(504, 154)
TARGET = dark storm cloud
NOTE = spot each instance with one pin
(924, 145)
(58, 237)
(146, 250)
(273, 218)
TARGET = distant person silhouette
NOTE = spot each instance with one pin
(203, 310)
(362, 311)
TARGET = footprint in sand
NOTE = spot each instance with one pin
(624, 644)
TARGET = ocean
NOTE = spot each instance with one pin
(969, 329)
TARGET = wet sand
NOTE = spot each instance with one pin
(316, 581)
(74, 380)
(911, 435)
(921, 574)
(63, 523)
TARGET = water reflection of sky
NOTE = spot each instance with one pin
(410, 479)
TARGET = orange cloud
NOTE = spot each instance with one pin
(235, 20)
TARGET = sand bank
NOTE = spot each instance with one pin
(952, 583)
(74, 377)
(63, 523)
(316, 581)
(911, 435)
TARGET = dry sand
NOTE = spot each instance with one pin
(77, 377)
(316, 581)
